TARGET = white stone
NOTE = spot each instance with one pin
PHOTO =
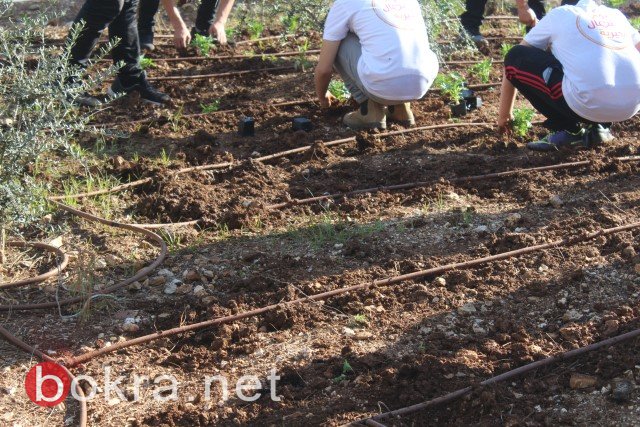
(467, 308)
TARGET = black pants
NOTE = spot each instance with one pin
(149, 8)
(471, 19)
(538, 75)
(120, 17)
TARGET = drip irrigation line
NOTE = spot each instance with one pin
(501, 17)
(281, 104)
(108, 290)
(227, 74)
(12, 339)
(568, 241)
(417, 184)
(228, 57)
(115, 189)
(225, 165)
(63, 261)
(500, 378)
(168, 225)
(194, 115)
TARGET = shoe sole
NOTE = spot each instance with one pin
(113, 94)
(380, 126)
(405, 123)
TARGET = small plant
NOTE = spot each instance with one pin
(176, 118)
(255, 29)
(203, 44)
(211, 107)
(483, 70)
(338, 89)
(230, 32)
(172, 239)
(147, 63)
(346, 369)
(301, 62)
(291, 23)
(505, 48)
(361, 320)
(165, 160)
(451, 85)
(522, 120)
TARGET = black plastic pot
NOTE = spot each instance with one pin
(473, 102)
(471, 99)
(301, 123)
(246, 127)
(458, 110)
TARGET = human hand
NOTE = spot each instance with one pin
(527, 16)
(505, 125)
(327, 100)
(217, 30)
(181, 37)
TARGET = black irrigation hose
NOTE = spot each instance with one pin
(449, 397)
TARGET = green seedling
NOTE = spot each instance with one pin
(291, 23)
(301, 62)
(505, 48)
(361, 319)
(164, 160)
(172, 239)
(211, 107)
(176, 119)
(231, 32)
(255, 29)
(346, 369)
(483, 70)
(147, 63)
(522, 121)
(451, 85)
(203, 44)
(338, 89)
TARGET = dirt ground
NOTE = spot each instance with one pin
(360, 353)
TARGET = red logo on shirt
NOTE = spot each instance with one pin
(604, 30)
(397, 13)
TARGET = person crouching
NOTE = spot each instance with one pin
(381, 50)
(580, 68)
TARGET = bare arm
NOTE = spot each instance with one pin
(525, 14)
(638, 47)
(181, 35)
(324, 71)
(222, 14)
(508, 94)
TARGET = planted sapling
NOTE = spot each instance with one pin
(346, 369)
(452, 86)
(203, 44)
(338, 89)
(482, 70)
(211, 107)
(522, 121)
(255, 29)
(291, 23)
(505, 48)
(301, 62)
(147, 63)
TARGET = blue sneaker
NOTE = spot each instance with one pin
(558, 140)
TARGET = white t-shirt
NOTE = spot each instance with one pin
(596, 47)
(396, 62)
